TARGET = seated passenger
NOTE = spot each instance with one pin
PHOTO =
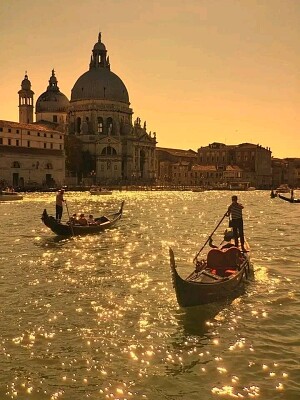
(228, 235)
(73, 219)
(91, 220)
(82, 220)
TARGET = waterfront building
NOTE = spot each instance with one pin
(173, 166)
(112, 148)
(286, 171)
(101, 117)
(253, 161)
(31, 154)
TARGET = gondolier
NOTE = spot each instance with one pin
(59, 204)
(235, 212)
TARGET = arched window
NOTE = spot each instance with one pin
(108, 151)
(109, 124)
(16, 164)
(78, 125)
(100, 125)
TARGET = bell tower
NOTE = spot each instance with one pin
(26, 101)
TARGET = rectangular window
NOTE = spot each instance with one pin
(60, 147)
(17, 131)
(1, 129)
(17, 142)
(45, 135)
(9, 142)
(51, 145)
(28, 133)
(9, 130)
(45, 145)
(54, 118)
(1, 141)
(28, 143)
(39, 134)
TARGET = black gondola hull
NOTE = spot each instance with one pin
(288, 199)
(190, 293)
(76, 230)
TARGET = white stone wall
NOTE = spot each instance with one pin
(20, 169)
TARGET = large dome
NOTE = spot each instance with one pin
(52, 100)
(102, 84)
(99, 82)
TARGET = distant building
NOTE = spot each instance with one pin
(113, 147)
(253, 163)
(286, 170)
(101, 117)
(173, 166)
(31, 154)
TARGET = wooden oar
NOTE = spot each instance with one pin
(196, 256)
(71, 224)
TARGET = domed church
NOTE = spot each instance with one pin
(52, 106)
(93, 132)
(100, 115)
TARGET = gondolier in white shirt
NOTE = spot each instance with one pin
(235, 211)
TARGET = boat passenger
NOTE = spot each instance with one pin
(228, 235)
(91, 220)
(73, 220)
(82, 220)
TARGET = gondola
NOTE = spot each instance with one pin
(289, 199)
(10, 196)
(221, 275)
(103, 222)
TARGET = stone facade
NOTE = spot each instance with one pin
(31, 155)
(173, 166)
(99, 114)
(101, 117)
(286, 171)
(254, 162)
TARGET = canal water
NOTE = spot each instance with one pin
(96, 317)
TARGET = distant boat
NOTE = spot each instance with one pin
(103, 222)
(289, 199)
(99, 191)
(284, 188)
(10, 196)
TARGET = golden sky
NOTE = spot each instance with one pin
(197, 71)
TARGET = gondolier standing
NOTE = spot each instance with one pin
(59, 204)
(236, 214)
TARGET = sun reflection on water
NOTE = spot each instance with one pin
(96, 317)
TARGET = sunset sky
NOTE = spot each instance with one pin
(198, 71)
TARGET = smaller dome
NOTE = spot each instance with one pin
(52, 100)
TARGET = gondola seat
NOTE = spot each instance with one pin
(224, 259)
